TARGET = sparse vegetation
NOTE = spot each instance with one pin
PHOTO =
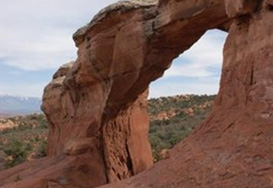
(17, 152)
(25, 140)
(171, 120)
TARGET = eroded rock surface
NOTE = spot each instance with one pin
(233, 148)
(97, 105)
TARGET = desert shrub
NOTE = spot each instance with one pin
(30, 137)
(164, 134)
(17, 151)
(42, 147)
(26, 140)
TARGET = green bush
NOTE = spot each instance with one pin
(164, 134)
(41, 150)
(28, 138)
(18, 152)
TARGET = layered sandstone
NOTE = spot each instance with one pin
(233, 148)
(97, 105)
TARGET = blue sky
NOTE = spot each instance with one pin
(36, 38)
(196, 71)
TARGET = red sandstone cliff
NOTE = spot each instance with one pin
(96, 105)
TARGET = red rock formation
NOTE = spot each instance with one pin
(233, 148)
(96, 106)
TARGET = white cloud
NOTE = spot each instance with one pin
(203, 56)
(36, 53)
(23, 89)
(194, 72)
(188, 70)
(37, 35)
(171, 88)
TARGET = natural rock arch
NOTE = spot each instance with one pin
(118, 58)
(97, 105)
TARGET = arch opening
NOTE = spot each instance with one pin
(183, 98)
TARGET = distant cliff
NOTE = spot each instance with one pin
(11, 105)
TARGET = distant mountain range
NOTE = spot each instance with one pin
(11, 105)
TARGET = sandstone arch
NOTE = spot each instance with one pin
(96, 105)
(115, 67)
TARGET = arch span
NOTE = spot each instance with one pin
(118, 58)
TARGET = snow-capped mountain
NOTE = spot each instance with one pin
(11, 105)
